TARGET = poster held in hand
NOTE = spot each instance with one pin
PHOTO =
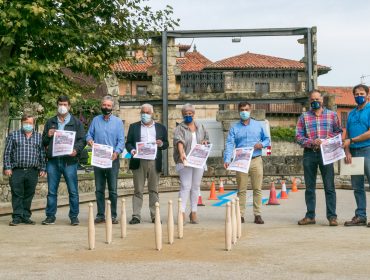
(198, 156)
(242, 159)
(102, 156)
(331, 149)
(63, 142)
(146, 150)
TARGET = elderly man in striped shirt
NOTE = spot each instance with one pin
(24, 161)
(316, 124)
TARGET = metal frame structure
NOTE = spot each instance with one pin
(297, 31)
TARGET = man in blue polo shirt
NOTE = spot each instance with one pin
(357, 144)
(108, 130)
(248, 133)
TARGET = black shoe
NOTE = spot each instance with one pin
(28, 222)
(14, 222)
(99, 220)
(114, 221)
(75, 221)
(48, 221)
(134, 221)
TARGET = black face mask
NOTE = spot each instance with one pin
(106, 111)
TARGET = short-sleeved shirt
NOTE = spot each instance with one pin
(358, 123)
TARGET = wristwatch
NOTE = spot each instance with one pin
(351, 141)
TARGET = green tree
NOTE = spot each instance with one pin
(41, 37)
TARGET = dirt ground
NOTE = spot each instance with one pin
(279, 249)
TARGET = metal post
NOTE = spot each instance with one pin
(164, 96)
(309, 60)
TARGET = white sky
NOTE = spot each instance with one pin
(343, 31)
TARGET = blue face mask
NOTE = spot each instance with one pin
(146, 118)
(315, 105)
(27, 127)
(244, 115)
(360, 99)
(188, 119)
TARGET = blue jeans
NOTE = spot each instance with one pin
(312, 160)
(103, 176)
(358, 181)
(56, 167)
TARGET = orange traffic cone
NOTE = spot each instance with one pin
(200, 201)
(221, 188)
(283, 194)
(294, 185)
(273, 200)
(212, 194)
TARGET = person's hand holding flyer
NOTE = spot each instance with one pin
(242, 159)
(63, 142)
(198, 156)
(146, 150)
(332, 150)
(101, 156)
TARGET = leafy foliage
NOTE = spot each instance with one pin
(283, 134)
(39, 38)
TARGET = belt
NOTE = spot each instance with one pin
(311, 150)
(25, 168)
(255, 157)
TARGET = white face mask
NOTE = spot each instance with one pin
(62, 110)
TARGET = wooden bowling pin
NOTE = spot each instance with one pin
(233, 221)
(180, 221)
(91, 228)
(158, 228)
(123, 219)
(238, 219)
(170, 223)
(108, 223)
(228, 227)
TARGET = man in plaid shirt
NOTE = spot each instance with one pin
(24, 161)
(316, 124)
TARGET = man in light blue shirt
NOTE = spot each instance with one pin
(248, 133)
(357, 144)
(108, 130)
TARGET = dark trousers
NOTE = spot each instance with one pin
(23, 184)
(109, 176)
(311, 161)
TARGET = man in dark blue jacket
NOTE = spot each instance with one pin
(65, 165)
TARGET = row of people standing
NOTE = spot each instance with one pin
(25, 156)
(28, 154)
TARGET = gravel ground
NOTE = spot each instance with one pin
(279, 249)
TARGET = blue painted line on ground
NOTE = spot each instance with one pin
(223, 198)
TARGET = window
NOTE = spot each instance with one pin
(262, 87)
(343, 119)
(141, 90)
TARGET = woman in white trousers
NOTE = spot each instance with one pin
(186, 135)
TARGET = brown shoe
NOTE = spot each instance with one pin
(356, 221)
(306, 221)
(333, 222)
(258, 220)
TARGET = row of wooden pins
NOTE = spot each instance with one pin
(157, 224)
(233, 225)
(170, 224)
(108, 224)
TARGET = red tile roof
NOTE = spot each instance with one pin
(343, 95)
(133, 66)
(192, 62)
(258, 61)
